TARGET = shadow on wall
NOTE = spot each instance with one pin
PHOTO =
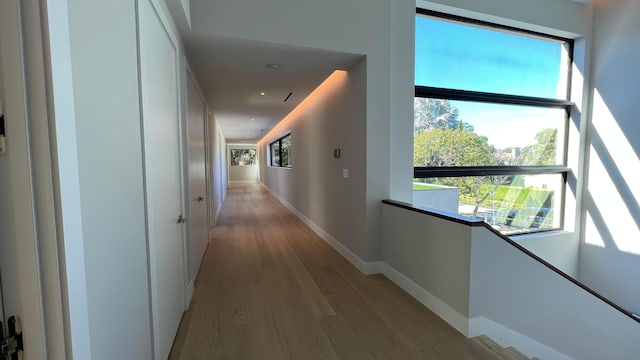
(609, 260)
(610, 255)
(613, 164)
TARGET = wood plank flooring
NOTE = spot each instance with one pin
(270, 288)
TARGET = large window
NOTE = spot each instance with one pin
(281, 152)
(491, 112)
(243, 157)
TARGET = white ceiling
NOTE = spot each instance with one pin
(233, 73)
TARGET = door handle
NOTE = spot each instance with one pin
(181, 219)
(200, 198)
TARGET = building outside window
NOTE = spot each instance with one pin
(491, 113)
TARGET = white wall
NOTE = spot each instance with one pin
(610, 251)
(545, 308)
(245, 172)
(432, 252)
(353, 26)
(219, 169)
(67, 182)
(482, 285)
(443, 198)
(107, 111)
(383, 32)
(8, 256)
(557, 248)
(332, 117)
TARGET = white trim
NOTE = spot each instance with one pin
(366, 268)
(217, 217)
(67, 192)
(23, 295)
(244, 182)
(433, 303)
(189, 293)
(506, 337)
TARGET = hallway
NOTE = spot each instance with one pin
(270, 288)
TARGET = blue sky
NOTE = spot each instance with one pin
(501, 63)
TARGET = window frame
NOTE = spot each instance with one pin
(271, 157)
(231, 153)
(504, 99)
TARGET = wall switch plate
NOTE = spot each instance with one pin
(3, 133)
(345, 173)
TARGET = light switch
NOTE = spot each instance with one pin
(345, 173)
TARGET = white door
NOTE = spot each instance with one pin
(160, 112)
(19, 262)
(197, 178)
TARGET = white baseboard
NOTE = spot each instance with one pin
(217, 216)
(507, 337)
(439, 307)
(246, 181)
(189, 294)
(366, 268)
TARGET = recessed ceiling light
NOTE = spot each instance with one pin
(262, 93)
(253, 119)
(273, 66)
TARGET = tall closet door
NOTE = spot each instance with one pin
(161, 125)
(197, 177)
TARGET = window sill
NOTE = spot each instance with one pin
(540, 235)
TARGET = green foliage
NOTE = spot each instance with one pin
(442, 139)
(451, 147)
(457, 147)
(431, 114)
(544, 152)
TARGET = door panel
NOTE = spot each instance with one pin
(160, 112)
(19, 262)
(197, 181)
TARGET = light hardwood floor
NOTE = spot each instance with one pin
(269, 288)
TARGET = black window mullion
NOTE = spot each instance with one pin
(486, 24)
(485, 97)
(420, 172)
(279, 162)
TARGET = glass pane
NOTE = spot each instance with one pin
(461, 56)
(462, 133)
(286, 151)
(243, 157)
(511, 204)
(275, 154)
